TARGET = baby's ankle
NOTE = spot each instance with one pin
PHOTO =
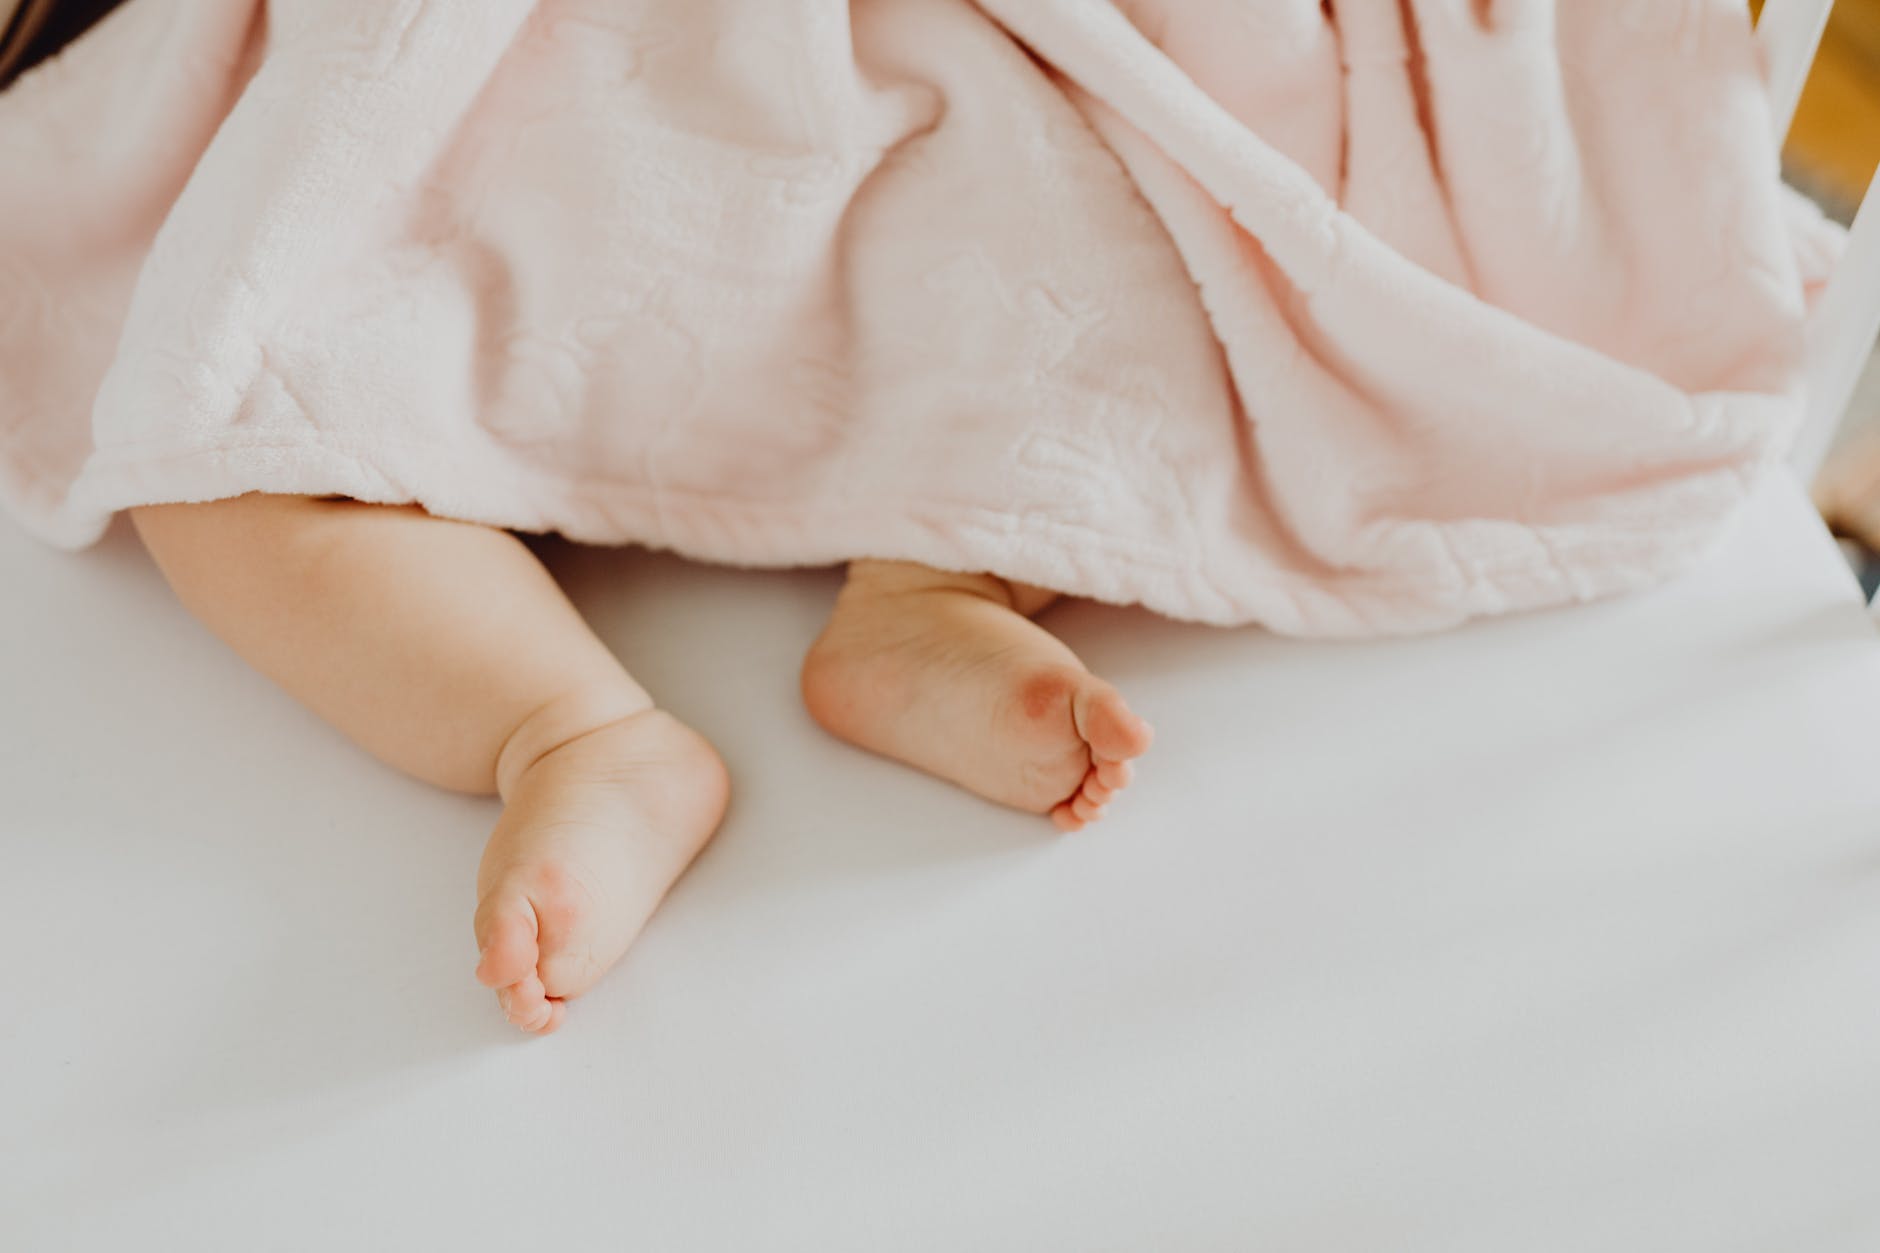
(562, 720)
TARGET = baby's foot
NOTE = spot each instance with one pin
(594, 834)
(941, 673)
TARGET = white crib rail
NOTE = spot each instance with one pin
(1846, 323)
(1790, 31)
(1841, 336)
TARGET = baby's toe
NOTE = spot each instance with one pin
(527, 1006)
(1109, 726)
(1114, 775)
(1065, 818)
(1096, 791)
(548, 1026)
(506, 939)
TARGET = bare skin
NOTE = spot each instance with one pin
(447, 650)
(595, 831)
(948, 673)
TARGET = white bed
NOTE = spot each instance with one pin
(1560, 933)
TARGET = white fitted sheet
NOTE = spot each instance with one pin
(1556, 933)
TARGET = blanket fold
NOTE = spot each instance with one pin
(1344, 319)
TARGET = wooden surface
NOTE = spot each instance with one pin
(1836, 141)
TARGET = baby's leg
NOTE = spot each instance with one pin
(948, 673)
(447, 650)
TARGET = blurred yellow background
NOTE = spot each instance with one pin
(1836, 142)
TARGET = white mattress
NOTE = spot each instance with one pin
(1560, 933)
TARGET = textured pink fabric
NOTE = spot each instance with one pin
(1345, 318)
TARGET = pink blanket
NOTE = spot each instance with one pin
(1346, 318)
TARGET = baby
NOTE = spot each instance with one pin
(447, 650)
(788, 282)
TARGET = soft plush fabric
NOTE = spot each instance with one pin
(1342, 318)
